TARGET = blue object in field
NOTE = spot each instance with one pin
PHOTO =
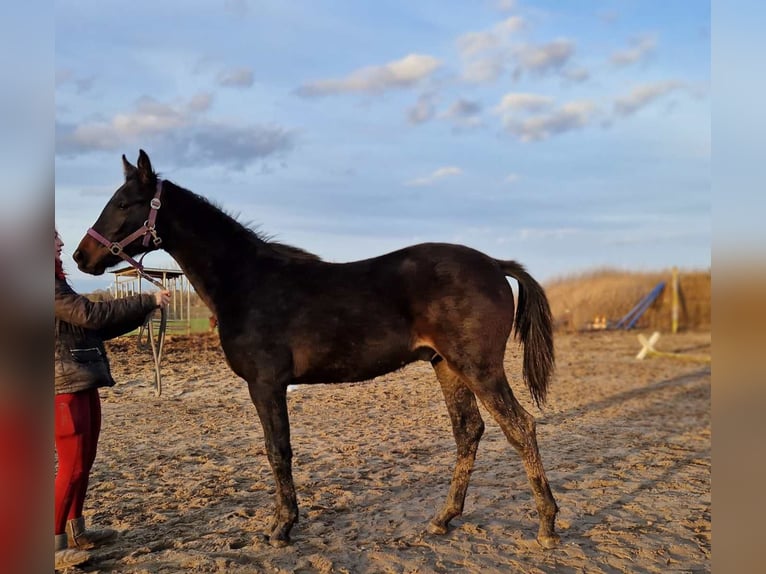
(631, 317)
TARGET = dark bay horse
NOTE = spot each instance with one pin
(286, 317)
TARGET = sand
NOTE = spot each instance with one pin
(626, 445)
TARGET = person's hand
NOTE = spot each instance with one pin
(162, 298)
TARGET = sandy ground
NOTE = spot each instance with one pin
(626, 445)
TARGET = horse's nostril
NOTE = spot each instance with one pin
(77, 256)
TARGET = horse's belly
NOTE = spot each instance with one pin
(354, 366)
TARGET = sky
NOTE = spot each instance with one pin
(567, 136)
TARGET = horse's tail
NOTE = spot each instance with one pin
(534, 328)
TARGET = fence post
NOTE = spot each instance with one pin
(674, 311)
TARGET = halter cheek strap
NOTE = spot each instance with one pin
(147, 231)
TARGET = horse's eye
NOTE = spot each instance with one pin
(122, 205)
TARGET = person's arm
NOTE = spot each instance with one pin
(108, 317)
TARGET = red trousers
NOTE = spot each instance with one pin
(77, 426)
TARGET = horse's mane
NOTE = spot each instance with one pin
(250, 229)
(292, 252)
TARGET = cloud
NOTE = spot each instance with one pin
(236, 77)
(484, 53)
(484, 69)
(567, 117)
(641, 48)
(441, 173)
(576, 74)
(544, 58)
(511, 178)
(423, 110)
(237, 147)
(182, 129)
(505, 5)
(519, 101)
(464, 113)
(149, 117)
(401, 73)
(200, 102)
(473, 43)
(65, 76)
(642, 95)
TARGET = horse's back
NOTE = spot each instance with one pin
(353, 321)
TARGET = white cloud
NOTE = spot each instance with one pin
(376, 79)
(512, 178)
(236, 77)
(567, 117)
(484, 54)
(545, 57)
(473, 43)
(433, 177)
(182, 128)
(483, 69)
(640, 49)
(520, 101)
(642, 95)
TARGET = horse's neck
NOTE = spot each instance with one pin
(203, 241)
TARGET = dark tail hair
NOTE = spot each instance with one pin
(534, 329)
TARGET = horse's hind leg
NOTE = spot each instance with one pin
(467, 427)
(519, 428)
(271, 403)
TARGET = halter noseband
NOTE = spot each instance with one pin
(147, 231)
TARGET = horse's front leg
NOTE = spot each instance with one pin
(270, 400)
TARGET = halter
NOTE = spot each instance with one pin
(147, 231)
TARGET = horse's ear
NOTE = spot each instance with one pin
(127, 167)
(145, 171)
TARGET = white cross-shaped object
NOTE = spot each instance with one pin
(648, 345)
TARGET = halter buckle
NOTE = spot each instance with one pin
(115, 248)
(155, 203)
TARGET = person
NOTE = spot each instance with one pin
(81, 368)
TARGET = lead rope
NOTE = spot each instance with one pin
(149, 329)
(156, 347)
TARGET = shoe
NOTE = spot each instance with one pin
(79, 537)
(67, 557)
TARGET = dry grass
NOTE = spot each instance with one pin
(576, 300)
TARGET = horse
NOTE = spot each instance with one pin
(287, 317)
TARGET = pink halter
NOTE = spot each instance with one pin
(147, 231)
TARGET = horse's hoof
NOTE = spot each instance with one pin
(436, 528)
(549, 542)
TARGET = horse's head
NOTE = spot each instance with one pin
(124, 215)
